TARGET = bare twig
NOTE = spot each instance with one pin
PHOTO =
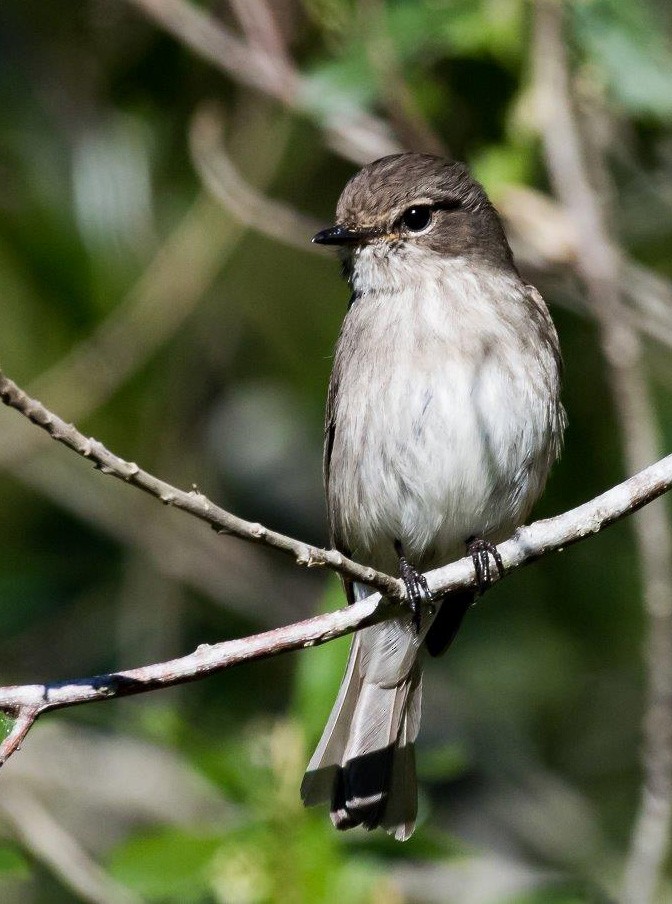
(353, 132)
(252, 208)
(600, 265)
(193, 501)
(624, 500)
(410, 125)
(361, 137)
(261, 30)
(23, 718)
(26, 703)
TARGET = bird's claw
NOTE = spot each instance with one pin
(480, 551)
(418, 593)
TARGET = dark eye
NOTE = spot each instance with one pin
(417, 218)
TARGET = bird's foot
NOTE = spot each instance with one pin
(418, 593)
(480, 551)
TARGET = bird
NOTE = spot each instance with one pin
(443, 419)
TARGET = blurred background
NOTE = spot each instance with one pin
(163, 164)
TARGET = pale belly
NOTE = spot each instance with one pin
(434, 446)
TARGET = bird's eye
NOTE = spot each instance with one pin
(417, 218)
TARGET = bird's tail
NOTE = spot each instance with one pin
(364, 764)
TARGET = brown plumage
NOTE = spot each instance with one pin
(443, 419)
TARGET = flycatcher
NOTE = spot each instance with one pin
(443, 420)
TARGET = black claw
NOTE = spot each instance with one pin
(480, 551)
(417, 589)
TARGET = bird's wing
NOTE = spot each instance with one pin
(329, 433)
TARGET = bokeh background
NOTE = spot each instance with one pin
(162, 168)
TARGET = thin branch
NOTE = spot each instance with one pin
(27, 703)
(23, 718)
(573, 525)
(600, 265)
(193, 501)
(360, 137)
(252, 208)
(261, 30)
(354, 133)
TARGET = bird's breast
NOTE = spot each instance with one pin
(442, 421)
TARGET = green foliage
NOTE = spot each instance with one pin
(531, 725)
(271, 849)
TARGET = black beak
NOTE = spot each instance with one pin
(341, 235)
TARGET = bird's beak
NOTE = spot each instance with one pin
(341, 235)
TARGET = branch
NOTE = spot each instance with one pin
(599, 263)
(248, 205)
(360, 137)
(529, 543)
(193, 501)
(154, 309)
(26, 703)
(352, 132)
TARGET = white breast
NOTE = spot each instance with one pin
(446, 414)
